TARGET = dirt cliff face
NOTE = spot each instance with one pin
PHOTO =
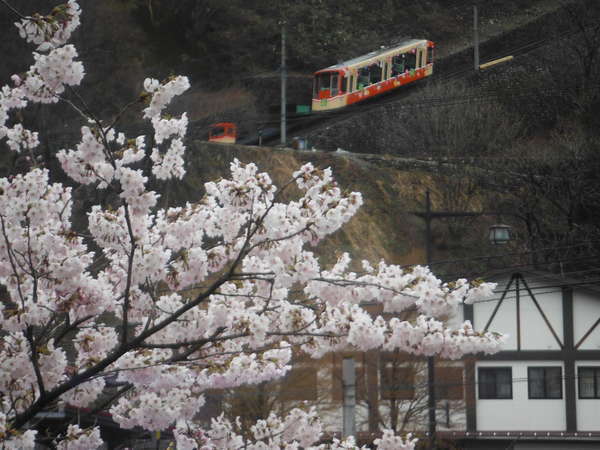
(382, 229)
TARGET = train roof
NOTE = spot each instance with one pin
(359, 60)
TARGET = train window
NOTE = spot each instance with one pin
(344, 85)
(423, 54)
(322, 83)
(398, 64)
(411, 61)
(430, 55)
(334, 83)
(364, 77)
(217, 131)
(375, 73)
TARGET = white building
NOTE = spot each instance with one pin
(543, 390)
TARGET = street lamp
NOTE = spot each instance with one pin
(499, 234)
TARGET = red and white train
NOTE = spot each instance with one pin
(372, 74)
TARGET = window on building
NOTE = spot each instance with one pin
(449, 383)
(495, 382)
(589, 382)
(397, 383)
(300, 384)
(544, 382)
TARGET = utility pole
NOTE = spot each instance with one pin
(349, 393)
(428, 216)
(475, 39)
(430, 359)
(283, 85)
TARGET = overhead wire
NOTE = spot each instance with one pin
(523, 266)
(519, 253)
(520, 50)
(414, 386)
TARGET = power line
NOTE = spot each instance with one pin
(531, 266)
(538, 250)
(405, 386)
(521, 50)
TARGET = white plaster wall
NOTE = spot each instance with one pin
(535, 333)
(586, 310)
(505, 319)
(588, 410)
(520, 413)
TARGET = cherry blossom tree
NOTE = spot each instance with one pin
(172, 302)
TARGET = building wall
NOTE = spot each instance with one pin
(588, 410)
(520, 412)
(534, 332)
(586, 309)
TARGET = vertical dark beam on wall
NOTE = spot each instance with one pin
(470, 387)
(569, 360)
(372, 363)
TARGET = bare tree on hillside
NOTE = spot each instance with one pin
(443, 121)
(552, 184)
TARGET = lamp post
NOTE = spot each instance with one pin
(498, 234)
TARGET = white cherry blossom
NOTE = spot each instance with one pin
(171, 302)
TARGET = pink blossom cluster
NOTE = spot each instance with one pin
(14, 439)
(297, 430)
(171, 302)
(77, 438)
(47, 78)
(53, 30)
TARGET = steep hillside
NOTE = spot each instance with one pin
(382, 229)
(386, 226)
(230, 51)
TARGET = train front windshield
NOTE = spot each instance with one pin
(326, 83)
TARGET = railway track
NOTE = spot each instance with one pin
(456, 66)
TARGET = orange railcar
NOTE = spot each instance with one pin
(372, 74)
(223, 132)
